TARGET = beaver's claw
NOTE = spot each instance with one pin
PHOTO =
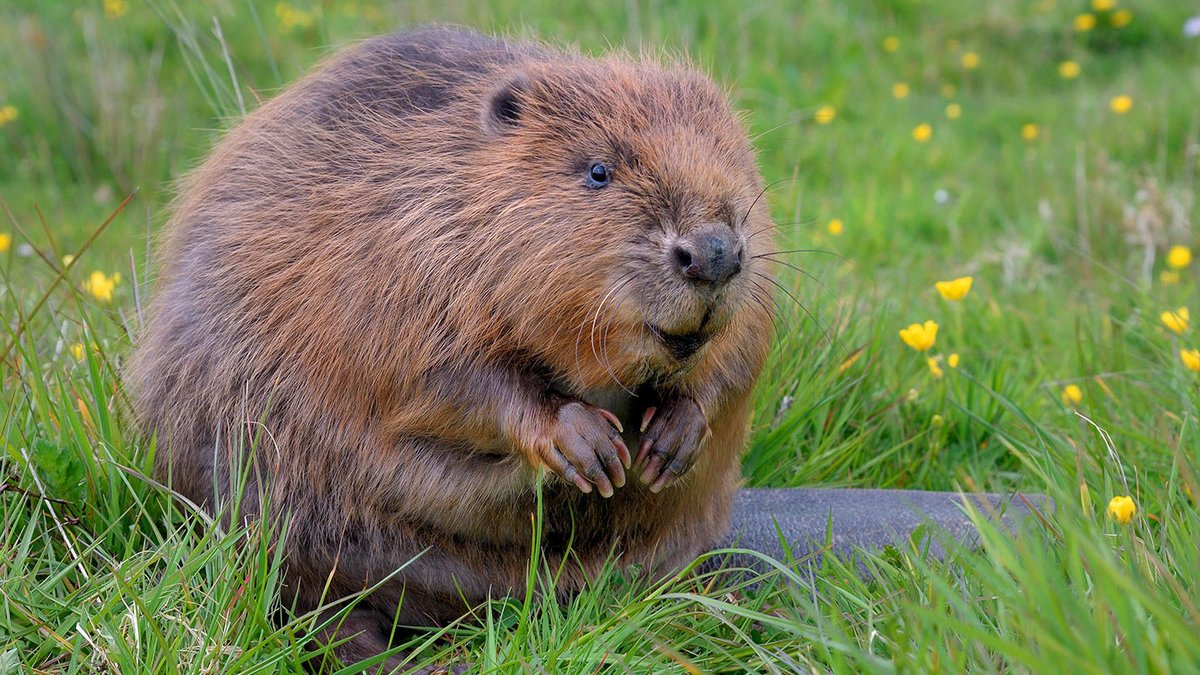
(585, 448)
(672, 435)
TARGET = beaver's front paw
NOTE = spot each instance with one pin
(671, 438)
(584, 447)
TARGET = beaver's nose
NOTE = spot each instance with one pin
(709, 255)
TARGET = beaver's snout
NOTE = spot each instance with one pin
(710, 255)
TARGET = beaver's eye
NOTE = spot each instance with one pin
(598, 176)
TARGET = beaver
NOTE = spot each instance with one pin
(446, 277)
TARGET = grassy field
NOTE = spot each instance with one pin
(1047, 149)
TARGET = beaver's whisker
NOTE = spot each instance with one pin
(604, 326)
(592, 337)
(794, 119)
(774, 226)
(772, 309)
(602, 356)
(762, 298)
(780, 225)
(604, 329)
(799, 250)
(803, 271)
(761, 192)
(799, 304)
(586, 319)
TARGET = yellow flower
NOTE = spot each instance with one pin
(1179, 257)
(1121, 509)
(953, 110)
(900, 90)
(1121, 104)
(1103, 5)
(937, 420)
(8, 113)
(922, 132)
(1030, 132)
(5, 241)
(970, 60)
(948, 90)
(77, 351)
(101, 286)
(955, 289)
(1072, 394)
(825, 114)
(952, 360)
(115, 9)
(891, 43)
(290, 17)
(920, 336)
(1120, 18)
(1177, 321)
(934, 368)
(1169, 277)
(1068, 70)
(1191, 359)
(1084, 22)
(835, 227)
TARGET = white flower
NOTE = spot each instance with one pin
(1191, 27)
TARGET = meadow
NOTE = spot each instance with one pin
(1046, 149)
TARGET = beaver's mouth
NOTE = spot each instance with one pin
(681, 345)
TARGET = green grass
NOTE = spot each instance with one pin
(1065, 236)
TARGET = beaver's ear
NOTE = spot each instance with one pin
(505, 104)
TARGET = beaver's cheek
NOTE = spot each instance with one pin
(676, 309)
(680, 308)
(735, 299)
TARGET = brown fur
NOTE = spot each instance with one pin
(402, 295)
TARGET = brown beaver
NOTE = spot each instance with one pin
(443, 272)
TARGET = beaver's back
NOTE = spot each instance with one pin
(411, 72)
(271, 262)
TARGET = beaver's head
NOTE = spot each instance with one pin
(642, 184)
